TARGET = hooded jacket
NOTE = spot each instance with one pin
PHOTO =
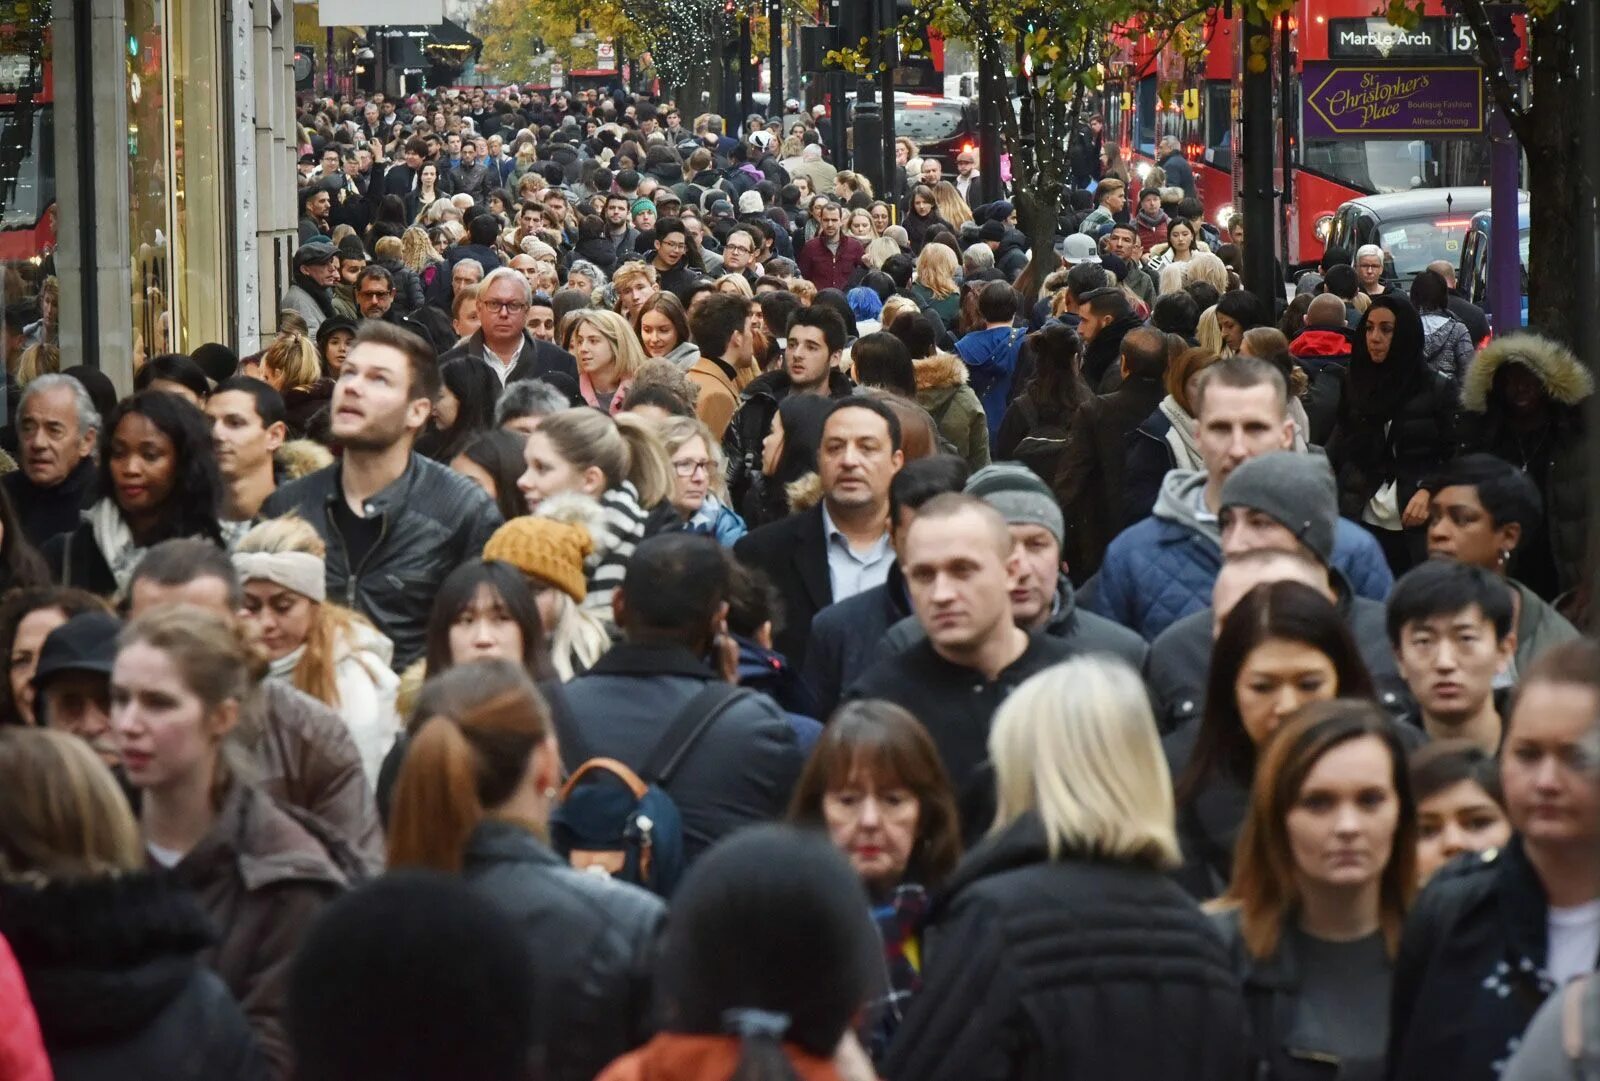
(943, 391)
(1447, 344)
(991, 359)
(1163, 568)
(1552, 452)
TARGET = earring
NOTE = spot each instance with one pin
(1505, 556)
(551, 792)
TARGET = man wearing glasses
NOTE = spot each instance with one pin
(502, 340)
(674, 271)
(738, 252)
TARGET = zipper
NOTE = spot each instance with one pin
(355, 572)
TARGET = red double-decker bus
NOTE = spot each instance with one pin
(27, 144)
(1153, 91)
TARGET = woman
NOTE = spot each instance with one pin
(1325, 871)
(1034, 428)
(875, 783)
(27, 616)
(334, 338)
(1168, 438)
(1396, 426)
(419, 256)
(425, 194)
(1041, 960)
(608, 355)
(464, 409)
(618, 461)
(1182, 243)
(184, 677)
(464, 319)
(158, 473)
(1447, 345)
(881, 213)
(1283, 646)
(1269, 344)
(473, 798)
(1237, 312)
(320, 647)
(952, 208)
(550, 549)
(1522, 400)
(1460, 807)
(1491, 938)
(788, 454)
(493, 461)
(291, 367)
(698, 493)
(861, 227)
(936, 285)
(764, 967)
(923, 218)
(111, 950)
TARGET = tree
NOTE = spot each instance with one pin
(1061, 49)
(514, 32)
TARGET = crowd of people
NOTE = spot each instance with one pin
(659, 609)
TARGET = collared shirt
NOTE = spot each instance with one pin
(851, 571)
(503, 368)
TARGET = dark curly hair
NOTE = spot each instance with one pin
(191, 510)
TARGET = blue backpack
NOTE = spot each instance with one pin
(623, 824)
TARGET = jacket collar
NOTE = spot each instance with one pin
(495, 840)
(267, 845)
(1021, 844)
(633, 659)
(392, 499)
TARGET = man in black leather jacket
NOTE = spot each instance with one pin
(395, 523)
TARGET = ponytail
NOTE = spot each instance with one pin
(436, 805)
(649, 467)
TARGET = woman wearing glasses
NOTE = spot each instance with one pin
(697, 492)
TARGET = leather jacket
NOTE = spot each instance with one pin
(432, 521)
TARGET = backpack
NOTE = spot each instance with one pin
(623, 824)
(1040, 450)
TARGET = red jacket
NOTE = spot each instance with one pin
(1321, 342)
(830, 269)
(22, 1056)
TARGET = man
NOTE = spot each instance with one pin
(502, 340)
(814, 343)
(634, 283)
(1326, 337)
(1161, 569)
(932, 172)
(619, 228)
(72, 682)
(523, 405)
(1278, 502)
(542, 317)
(966, 182)
(471, 176)
(960, 567)
(315, 203)
(845, 635)
(1369, 270)
(1150, 221)
(841, 546)
(310, 292)
(1176, 167)
(247, 427)
(829, 259)
(1450, 625)
(673, 272)
(57, 428)
(1088, 481)
(1111, 198)
(811, 166)
(1477, 323)
(396, 523)
(301, 748)
(498, 162)
(675, 653)
(1105, 318)
(721, 326)
(483, 232)
(1123, 241)
(991, 353)
(738, 250)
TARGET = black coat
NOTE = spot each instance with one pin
(793, 552)
(48, 512)
(1420, 439)
(1470, 974)
(595, 939)
(113, 968)
(1088, 482)
(1071, 968)
(538, 358)
(844, 636)
(75, 560)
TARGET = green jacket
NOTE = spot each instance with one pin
(942, 390)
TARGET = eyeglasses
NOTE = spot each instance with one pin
(674, 245)
(688, 467)
(738, 247)
(368, 294)
(505, 307)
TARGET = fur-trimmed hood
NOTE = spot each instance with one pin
(940, 371)
(1564, 377)
(575, 508)
(804, 493)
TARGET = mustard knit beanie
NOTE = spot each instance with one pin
(545, 549)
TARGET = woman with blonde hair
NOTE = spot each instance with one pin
(619, 461)
(735, 284)
(860, 225)
(936, 285)
(1042, 959)
(183, 681)
(110, 950)
(952, 208)
(474, 798)
(320, 647)
(879, 251)
(1206, 267)
(608, 354)
(700, 494)
(291, 366)
(847, 184)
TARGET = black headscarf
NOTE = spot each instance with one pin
(1379, 389)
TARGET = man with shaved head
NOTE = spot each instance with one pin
(1463, 309)
(960, 568)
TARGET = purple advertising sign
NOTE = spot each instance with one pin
(1348, 100)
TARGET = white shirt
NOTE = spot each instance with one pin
(502, 368)
(166, 857)
(1574, 935)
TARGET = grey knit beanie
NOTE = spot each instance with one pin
(1296, 490)
(1019, 495)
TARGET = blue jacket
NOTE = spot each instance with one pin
(1161, 569)
(764, 670)
(718, 522)
(991, 360)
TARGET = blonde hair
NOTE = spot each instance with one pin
(1202, 266)
(625, 347)
(462, 298)
(42, 358)
(623, 448)
(333, 624)
(62, 814)
(854, 181)
(631, 270)
(936, 270)
(735, 283)
(1077, 745)
(894, 308)
(1209, 334)
(387, 247)
(416, 250)
(295, 357)
(676, 431)
(880, 251)
(861, 212)
(952, 208)
(802, 288)
(1171, 279)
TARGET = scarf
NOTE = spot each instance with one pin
(115, 541)
(1151, 223)
(1181, 436)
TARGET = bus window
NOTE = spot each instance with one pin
(1145, 117)
(1389, 165)
(1219, 123)
(27, 133)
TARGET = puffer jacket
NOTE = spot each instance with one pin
(943, 391)
(1163, 568)
(408, 292)
(1070, 967)
(433, 520)
(366, 686)
(1420, 437)
(113, 967)
(595, 939)
(1553, 454)
(1446, 345)
(262, 874)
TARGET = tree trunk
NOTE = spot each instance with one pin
(1037, 213)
